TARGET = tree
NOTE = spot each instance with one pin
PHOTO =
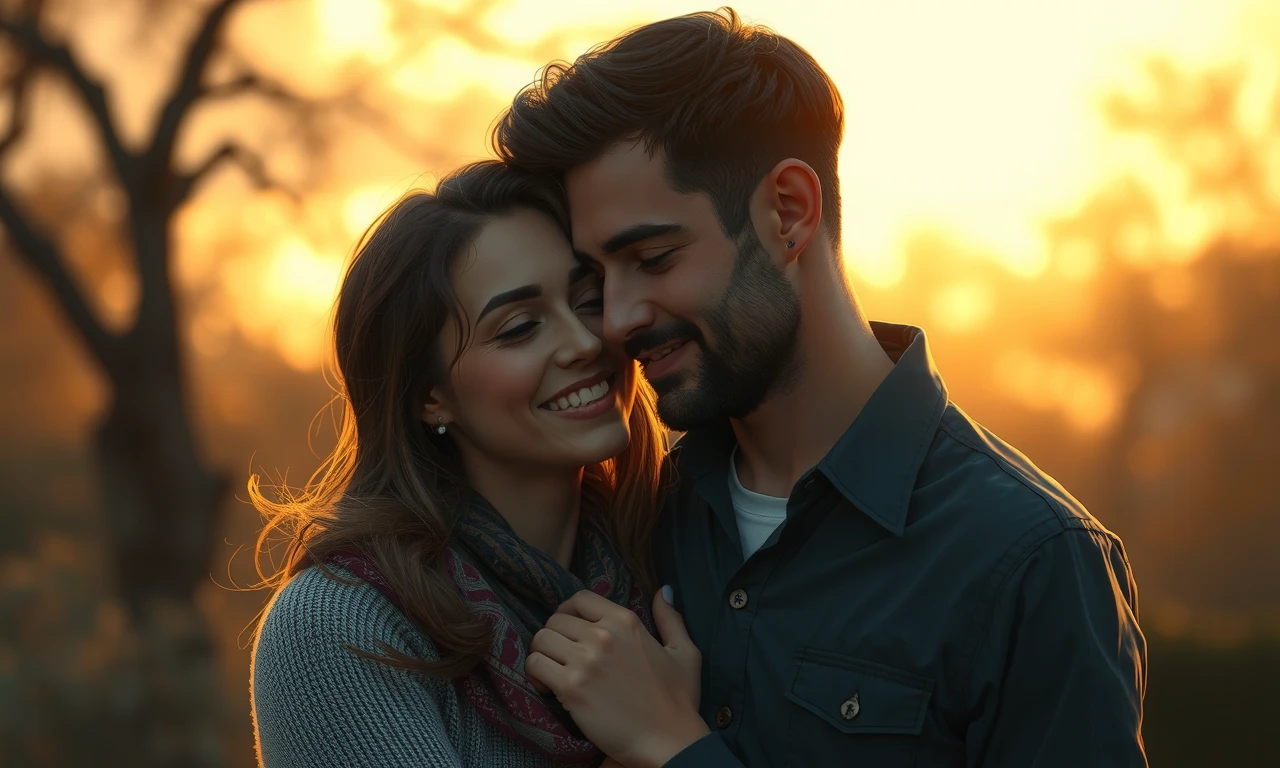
(161, 497)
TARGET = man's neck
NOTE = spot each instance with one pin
(540, 504)
(841, 364)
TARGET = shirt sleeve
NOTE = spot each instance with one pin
(1061, 675)
(316, 703)
(710, 751)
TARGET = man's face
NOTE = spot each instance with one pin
(712, 321)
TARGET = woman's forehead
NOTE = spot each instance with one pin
(518, 249)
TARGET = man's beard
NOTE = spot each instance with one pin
(755, 324)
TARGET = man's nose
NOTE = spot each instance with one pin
(625, 310)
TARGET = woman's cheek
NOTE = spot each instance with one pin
(509, 381)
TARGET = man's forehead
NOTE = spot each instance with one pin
(623, 171)
(623, 187)
(628, 155)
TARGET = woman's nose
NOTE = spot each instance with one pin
(580, 344)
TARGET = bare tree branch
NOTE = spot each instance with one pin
(19, 88)
(351, 103)
(26, 34)
(43, 256)
(230, 152)
(187, 91)
(251, 83)
(34, 248)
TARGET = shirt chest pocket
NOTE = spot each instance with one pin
(850, 711)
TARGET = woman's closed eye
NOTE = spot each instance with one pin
(517, 331)
(590, 302)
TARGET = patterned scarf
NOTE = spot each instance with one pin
(516, 588)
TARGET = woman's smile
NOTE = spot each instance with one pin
(586, 399)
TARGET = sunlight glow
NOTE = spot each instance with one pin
(362, 207)
(354, 26)
(292, 292)
(448, 69)
(980, 118)
(1077, 260)
(1088, 397)
(963, 307)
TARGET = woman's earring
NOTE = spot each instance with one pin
(791, 243)
(440, 430)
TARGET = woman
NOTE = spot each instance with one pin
(494, 458)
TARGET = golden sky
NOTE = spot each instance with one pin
(977, 118)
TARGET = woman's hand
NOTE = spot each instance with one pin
(636, 699)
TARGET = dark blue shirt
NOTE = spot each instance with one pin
(932, 599)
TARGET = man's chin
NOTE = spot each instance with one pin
(682, 408)
(670, 384)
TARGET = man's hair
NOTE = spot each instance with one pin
(723, 100)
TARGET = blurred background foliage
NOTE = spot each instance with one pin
(1078, 203)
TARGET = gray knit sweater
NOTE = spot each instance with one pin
(318, 704)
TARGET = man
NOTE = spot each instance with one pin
(872, 578)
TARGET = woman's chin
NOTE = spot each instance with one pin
(604, 443)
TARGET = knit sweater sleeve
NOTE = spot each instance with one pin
(316, 703)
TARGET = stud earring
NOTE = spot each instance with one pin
(440, 430)
(791, 243)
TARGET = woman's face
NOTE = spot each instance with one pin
(535, 385)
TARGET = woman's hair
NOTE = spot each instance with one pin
(392, 486)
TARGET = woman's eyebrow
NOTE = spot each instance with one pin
(523, 293)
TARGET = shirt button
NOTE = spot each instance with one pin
(738, 599)
(724, 716)
(851, 708)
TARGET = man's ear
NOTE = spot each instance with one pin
(786, 208)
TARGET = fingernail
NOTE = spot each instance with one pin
(669, 595)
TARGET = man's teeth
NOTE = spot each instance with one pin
(655, 357)
(585, 396)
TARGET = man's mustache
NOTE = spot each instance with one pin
(651, 338)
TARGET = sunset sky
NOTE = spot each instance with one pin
(976, 118)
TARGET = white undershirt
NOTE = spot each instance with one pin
(758, 515)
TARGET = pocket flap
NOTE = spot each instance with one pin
(859, 696)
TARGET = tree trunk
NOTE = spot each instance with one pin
(162, 506)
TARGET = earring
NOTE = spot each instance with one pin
(440, 430)
(791, 243)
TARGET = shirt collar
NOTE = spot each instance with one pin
(875, 462)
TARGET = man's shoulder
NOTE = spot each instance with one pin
(995, 486)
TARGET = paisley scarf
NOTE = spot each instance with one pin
(516, 588)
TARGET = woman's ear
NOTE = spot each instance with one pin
(787, 208)
(437, 408)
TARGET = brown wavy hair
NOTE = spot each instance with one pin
(724, 100)
(391, 485)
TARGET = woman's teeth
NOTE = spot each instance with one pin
(585, 396)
